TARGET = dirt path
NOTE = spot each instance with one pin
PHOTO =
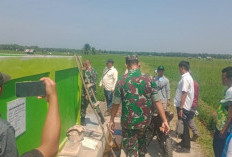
(153, 149)
(195, 151)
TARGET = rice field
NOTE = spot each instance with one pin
(206, 73)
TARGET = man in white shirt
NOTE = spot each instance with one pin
(109, 80)
(183, 102)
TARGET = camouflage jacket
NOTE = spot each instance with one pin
(136, 92)
(90, 76)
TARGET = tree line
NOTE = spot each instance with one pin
(88, 49)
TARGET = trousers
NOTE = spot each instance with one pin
(134, 142)
(186, 136)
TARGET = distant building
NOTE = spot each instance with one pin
(29, 51)
(209, 58)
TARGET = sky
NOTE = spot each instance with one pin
(190, 26)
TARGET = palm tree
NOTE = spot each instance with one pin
(86, 48)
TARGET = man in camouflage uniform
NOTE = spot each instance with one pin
(90, 78)
(137, 93)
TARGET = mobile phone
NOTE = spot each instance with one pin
(29, 89)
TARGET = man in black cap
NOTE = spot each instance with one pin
(51, 130)
(109, 80)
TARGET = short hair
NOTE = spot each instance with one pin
(184, 64)
(228, 71)
(110, 61)
(132, 60)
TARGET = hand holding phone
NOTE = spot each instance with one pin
(30, 89)
(43, 88)
(50, 86)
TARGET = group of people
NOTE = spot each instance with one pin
(108, 81)
(137, 93)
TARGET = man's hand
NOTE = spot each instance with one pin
(222, 134)
(111, 126)
(180, 114)
(165, 127)
(112, 91)
(50, 86)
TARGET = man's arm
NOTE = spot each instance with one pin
(155, 99)
(101, 81)
(51, 130)
(228, 121)
(168, 92)
(114, 111)
(116, 103)
(115, 77)
(160, 109)
(183, 98)
(100, 84)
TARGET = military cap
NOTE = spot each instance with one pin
(161, 67)
(131, 58)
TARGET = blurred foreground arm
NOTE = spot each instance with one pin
(113, 114)
(159, 106)
(228, 121)
(51, 130)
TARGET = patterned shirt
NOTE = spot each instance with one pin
(136, 92)
(90, 76)
(222, 111)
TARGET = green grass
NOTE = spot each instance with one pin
(207, 73)
(9, 52)
(20, 66)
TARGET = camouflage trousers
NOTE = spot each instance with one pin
(134, 142)
(84, 105)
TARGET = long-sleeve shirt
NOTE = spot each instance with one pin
(163, 88)
(109, 78)
(135, 92)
